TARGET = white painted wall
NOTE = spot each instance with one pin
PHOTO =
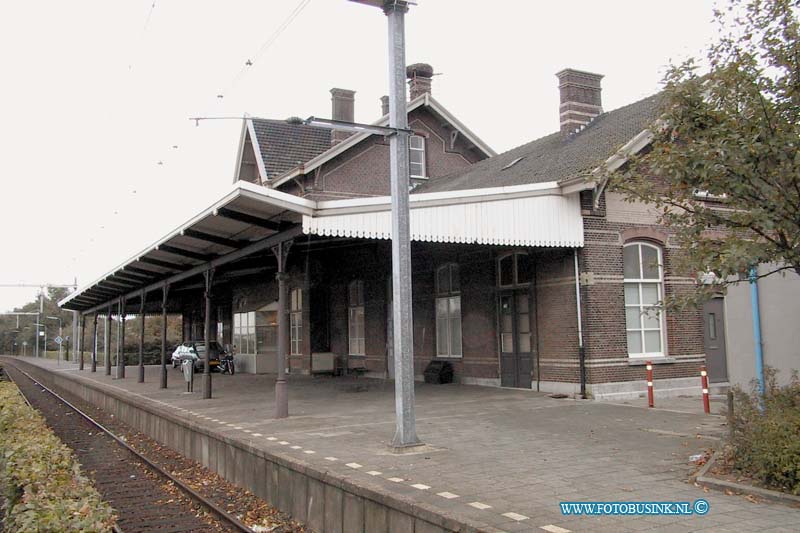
(779, 298)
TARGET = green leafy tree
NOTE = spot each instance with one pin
(723, 171)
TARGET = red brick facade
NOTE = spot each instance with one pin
(364, 169)
(323, 269)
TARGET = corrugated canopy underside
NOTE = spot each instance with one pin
(246, 216)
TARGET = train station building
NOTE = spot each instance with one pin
(527, 273)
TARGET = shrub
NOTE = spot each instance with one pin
(766, 442)
(42, 484)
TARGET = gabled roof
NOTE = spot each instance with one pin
(283, 146)
(554, 158)
(425, 100)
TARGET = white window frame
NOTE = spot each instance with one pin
(449, 296)
(244, 328)
(296, 321)
(422, 152)
(356, 337)
(644, 308)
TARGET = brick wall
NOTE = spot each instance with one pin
(606, 231)
(556, 316)
(364, 169)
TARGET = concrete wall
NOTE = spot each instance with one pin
(779, 298)
(324, 502)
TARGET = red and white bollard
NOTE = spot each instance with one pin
(649, 384)
(704, 381)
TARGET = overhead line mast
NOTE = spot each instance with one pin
(42, 287)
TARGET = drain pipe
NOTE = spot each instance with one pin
(759, 350)
(581, 350)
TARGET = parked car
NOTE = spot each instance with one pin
(196, 351)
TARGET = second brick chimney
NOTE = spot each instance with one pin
(343, 104)
(420, 76)
(580, 99)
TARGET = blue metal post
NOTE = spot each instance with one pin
(757, 330)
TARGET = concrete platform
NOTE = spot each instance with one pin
(495, 460)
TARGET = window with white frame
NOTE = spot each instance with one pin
(416, 156)
(296, 322)
(644, 279)
(355, 322)
(448, 311)
(221, 311)
(244, 332)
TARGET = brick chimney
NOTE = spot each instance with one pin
(384, 105)
(419, 77)
(580, 99)
(343, 105)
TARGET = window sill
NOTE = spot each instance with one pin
(659, 360)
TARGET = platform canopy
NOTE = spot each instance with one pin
(526, 215)
(247, 220)
(251, 219)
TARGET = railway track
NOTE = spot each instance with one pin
(144, 495)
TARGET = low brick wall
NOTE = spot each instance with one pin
(324, 502)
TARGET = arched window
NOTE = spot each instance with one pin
(355, 302)
(515, 268)
(296, 321)
(644, 279)
(448, 311)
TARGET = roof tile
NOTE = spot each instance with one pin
(553, 158)
(284, 146)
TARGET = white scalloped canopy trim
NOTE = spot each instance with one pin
(548, 221)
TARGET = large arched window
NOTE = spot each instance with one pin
(296, 321)
(355, 304)
(448, 311)
(644, 280)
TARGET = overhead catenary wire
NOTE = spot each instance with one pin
(251, 61)
(248, 64)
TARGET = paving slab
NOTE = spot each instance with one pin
(516, 454)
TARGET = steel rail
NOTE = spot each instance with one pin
(193, 494)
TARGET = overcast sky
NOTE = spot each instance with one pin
(94, 94)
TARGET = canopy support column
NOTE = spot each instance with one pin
(94, 343)
(121, 353)
(141, 338)
(164, 293)
(107, 340)
(209, 279)
(83, 335)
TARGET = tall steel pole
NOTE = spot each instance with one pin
(406, 431)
